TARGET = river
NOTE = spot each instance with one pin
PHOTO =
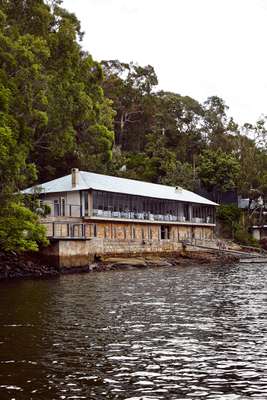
(195, 332)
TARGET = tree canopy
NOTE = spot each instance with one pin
(59, 108)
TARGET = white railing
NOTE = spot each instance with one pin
(148, 216)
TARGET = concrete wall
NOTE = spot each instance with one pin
(71, 253)
(113, 238)
(67, 253)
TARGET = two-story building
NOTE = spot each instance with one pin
(87, 206)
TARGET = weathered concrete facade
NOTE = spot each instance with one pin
(117, 238)
(150, 232)
(69, 253)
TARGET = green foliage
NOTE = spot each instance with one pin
(59, 108)
(19, 228)
(231, 216)
(218, 170)
(53, 113)
(242, 237)
(182, 174)
(229, 213)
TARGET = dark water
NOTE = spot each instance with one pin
(177, 333)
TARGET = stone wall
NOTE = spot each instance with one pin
(113, 237)
(145, 231)
(114, 230)
(67, 253)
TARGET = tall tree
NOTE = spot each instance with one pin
(218, 172)
(53, 113)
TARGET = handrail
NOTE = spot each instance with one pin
(74, 230)
(222, 250)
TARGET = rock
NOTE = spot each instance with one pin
(140, 262)
(93, 267)
(13, 266)
(158, 262)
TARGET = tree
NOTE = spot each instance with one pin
(53, 113)
(218, 171)
(130, 87)
(19, 228)
(181, 175)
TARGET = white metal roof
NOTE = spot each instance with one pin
(89, 180)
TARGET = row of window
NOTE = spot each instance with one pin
(136, 207)
(115, 233)
(127, 232)
(136, 204)
(163, 232)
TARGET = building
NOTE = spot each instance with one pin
(87, 206)
(256, 210)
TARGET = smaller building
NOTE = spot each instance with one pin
(110, 211)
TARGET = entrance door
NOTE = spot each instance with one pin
(164, 232)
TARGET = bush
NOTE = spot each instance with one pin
(230, 215)
(241, 236)
(20, 229)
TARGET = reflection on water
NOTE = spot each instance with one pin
(177, 333)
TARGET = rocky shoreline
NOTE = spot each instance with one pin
(14, 266)
(17, 266)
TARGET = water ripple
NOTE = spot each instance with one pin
(167, 333)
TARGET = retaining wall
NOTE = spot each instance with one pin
(69, 253)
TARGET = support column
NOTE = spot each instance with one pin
(190, 212)
(90, 203)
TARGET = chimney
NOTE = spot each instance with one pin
(74, 177)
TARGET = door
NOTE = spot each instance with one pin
(164, 232)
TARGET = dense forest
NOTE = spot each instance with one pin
(59, 108)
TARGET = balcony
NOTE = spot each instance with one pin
(62, 209)
(149, 217)
(69, 230)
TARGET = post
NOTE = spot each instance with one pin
(90, 203)
(190, 213)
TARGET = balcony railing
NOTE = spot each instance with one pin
(63, 209)
(149, 216)
(67, 230)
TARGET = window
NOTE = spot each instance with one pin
(62, 208)
(105, 232)
(56, 208)
(186, 212)
(95, 230)
(143, 233)
(164, 232)
(85, 197)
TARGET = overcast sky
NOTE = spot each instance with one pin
(198, 48)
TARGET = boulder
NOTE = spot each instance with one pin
(126, 261)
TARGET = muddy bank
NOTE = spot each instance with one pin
(14, 266)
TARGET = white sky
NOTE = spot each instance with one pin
(198, 48)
